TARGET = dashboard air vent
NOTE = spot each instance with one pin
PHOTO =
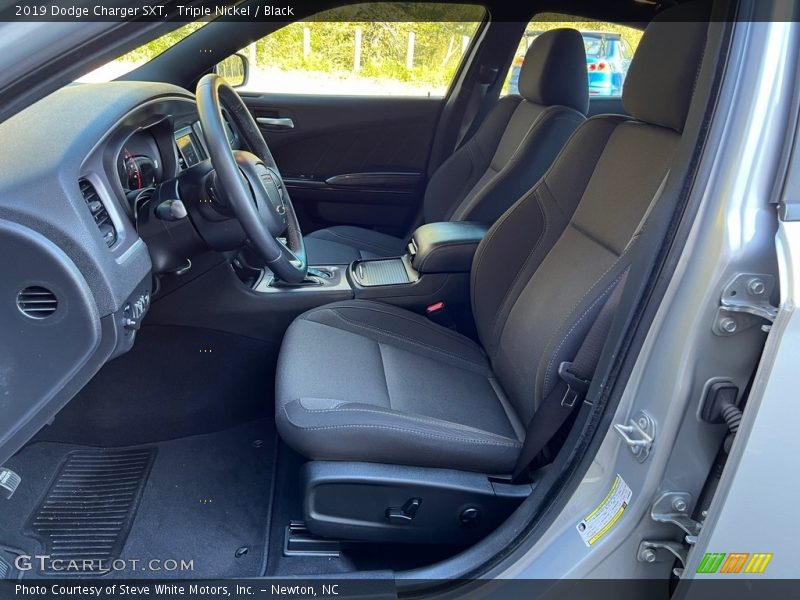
(37, 302)
(99, 212)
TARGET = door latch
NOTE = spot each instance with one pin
(639, 434)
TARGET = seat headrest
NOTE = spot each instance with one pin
(554, 70)
(661, 78)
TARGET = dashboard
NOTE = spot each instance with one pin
(140, 164)
(77, 264)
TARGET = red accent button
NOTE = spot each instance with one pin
(435, 307)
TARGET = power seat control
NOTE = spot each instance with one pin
(404, 515)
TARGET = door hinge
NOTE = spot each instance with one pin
(672, 508)
(650, 552)
(745, 302)
(639, 434)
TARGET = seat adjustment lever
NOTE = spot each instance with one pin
(406, 514)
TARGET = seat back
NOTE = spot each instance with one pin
(544, 269)
(520, 136)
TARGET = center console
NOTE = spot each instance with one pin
(435, 269)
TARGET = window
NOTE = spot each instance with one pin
(380, 49)
(609, 49)
(143, 54)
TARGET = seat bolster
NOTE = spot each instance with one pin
(456, 177)
(325, 429)
(519, 163)
(399, 327)
(343, 244)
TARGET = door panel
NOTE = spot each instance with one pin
(356, 160)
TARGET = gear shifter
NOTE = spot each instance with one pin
(315, 276)
(321, 273)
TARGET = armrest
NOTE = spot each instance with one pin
(446, 247)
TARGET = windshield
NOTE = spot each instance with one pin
(143, 54)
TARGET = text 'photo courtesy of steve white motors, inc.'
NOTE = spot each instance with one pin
(167, 590)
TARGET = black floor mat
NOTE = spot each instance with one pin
(88, 511)
(205, 504)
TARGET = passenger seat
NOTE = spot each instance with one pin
(512, 149)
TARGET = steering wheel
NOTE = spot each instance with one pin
(250, 181)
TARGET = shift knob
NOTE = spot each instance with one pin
(171, 210)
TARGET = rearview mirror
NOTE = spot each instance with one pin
(235, 70)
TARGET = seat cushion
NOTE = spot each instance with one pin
(343, 244)
(365, 381)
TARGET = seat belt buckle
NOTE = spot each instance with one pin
(576, 387)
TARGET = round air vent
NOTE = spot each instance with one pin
(37, 302)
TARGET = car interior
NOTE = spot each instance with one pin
(358, 344)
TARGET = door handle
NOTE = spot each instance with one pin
(276, 122)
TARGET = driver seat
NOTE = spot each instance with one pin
(369, 382)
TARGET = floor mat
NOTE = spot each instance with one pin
(203, 512)
(88, 511)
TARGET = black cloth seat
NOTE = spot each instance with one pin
(514, 146)
(342, 244)
(366, 381)
(390, 363)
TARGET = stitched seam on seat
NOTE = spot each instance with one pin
(531, 127)
(354, 240)
(507, 298)
(631, 243)
(440, 330)
(577, 322)
(616, 119)
(460, 211)
(465, 429)
(359, 243)
(532, 130)
(588, 234)
(475, 154)
(385, 379)
(556, 119)
(515, 159)
(404, 430)
(492, 233)
(407, 340)
(401, 336)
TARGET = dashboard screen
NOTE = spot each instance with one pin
(187, 147)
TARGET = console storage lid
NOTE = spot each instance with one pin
(446, 247)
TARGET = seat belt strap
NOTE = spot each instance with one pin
(476, 96)
(573, 383)
(479, 103)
